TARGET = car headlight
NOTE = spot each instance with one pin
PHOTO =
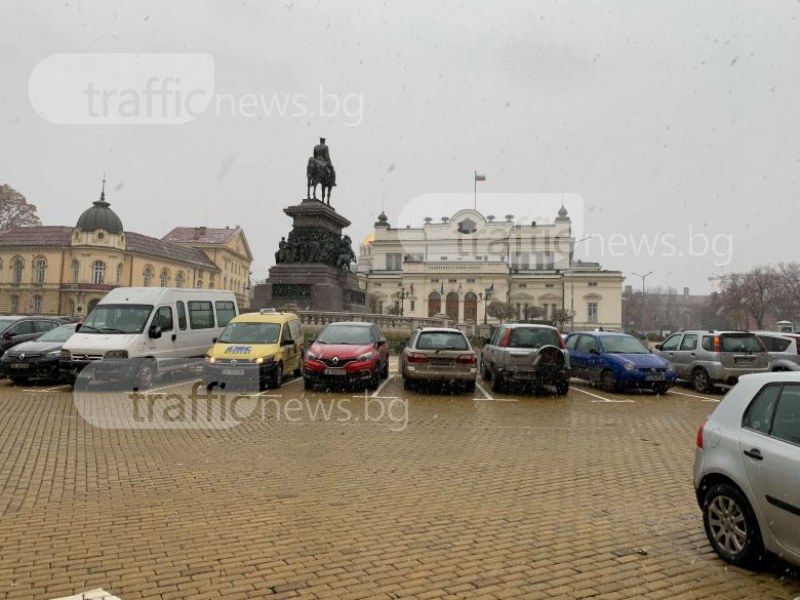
(117, 354)
(210, 359)
(65, 353)
(263, 359)
(311, 355)
(364, 357)
(629, 366)
(54, 353)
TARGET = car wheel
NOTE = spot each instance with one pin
(276, 379)
(486, 374)
(385, 370)
(701, 382)
(608, 381)
(562, 388)
(18, 380)
(145, 375)
(469, 387)
(408, 384)
(497, 382)
(308, 383)
(660, 389)
(374, 381)
(731, 526)
(299, 370)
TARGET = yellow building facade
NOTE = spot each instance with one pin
(61, 270)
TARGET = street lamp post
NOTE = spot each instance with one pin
(644, 298)
(402, 298)
(486, 298)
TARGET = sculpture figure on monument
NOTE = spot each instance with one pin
(346, 254)
(320, 172)
(280, 255)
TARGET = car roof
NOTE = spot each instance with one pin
(442, 329)
(266, 317)
(537, 325)
(353, 323)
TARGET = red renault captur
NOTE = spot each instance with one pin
(347, 352)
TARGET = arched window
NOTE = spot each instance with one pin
(434, 303)
(76, 270)
(14, 304)
(470, 307)
(451, 306)
(37, 305)
(199, 283)
(180, 280)
(211, 285)
(119, 273)
(164, 279)
(147, 276)
(98, 272)
(39, 269)
(71, 308)
(92, 303)
(17, 267)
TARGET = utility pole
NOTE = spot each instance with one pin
(644, 298)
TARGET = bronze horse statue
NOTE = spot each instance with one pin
(319, 173)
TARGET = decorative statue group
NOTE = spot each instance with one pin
(320, 172)
(311, 245)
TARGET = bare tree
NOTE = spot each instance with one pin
(501, 310)
(534, 312)
(15, 210)
(759, 287)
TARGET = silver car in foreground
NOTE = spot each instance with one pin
(747, 470)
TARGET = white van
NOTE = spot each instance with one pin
(159, 326)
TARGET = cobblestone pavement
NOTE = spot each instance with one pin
(515, 497)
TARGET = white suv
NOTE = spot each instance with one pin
(746, 470)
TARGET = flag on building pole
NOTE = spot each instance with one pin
(478, 178)
(441, 292)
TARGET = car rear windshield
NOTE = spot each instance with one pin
(530, 337)
(740, 343)
(250, 333)
(442, 340)
(345, 334)
(623, 344)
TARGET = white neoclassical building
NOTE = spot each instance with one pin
(456, 265)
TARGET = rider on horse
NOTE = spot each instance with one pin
(321, 154)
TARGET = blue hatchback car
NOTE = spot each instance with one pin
(617, 360)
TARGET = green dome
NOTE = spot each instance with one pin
(100, 216)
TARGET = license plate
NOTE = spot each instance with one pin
(233, 371)
(441, 361)
(744, 359)
(19, 365)
(655, 378)
(335, 371)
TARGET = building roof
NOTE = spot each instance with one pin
(142, 244)
(202, 235)
(43, 235)
(100, 216)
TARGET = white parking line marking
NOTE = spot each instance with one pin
(166, 387)
(600, 398)
(381, 386)
(295, 380)
(483, 391)
(703, 398)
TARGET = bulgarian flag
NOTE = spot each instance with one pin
(479, 177)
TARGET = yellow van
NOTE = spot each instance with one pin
(254, 351)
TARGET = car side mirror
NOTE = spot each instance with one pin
(7, 335)
(593, 351)
(155, 332)
(658, 347)
(213, 340)
(381, 343)
(287, 342)
(78, 327)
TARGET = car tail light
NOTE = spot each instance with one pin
(416, 357)
(506, 339)
(717, 345)
(467, 359)
(561, 341)
(699, 440)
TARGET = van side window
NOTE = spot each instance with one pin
(201, 314)
(165, 318)
(708, 343)
(297, 332)
(287, 334)
(181, 315)
(226, 310)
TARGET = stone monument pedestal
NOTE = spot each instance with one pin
(306, 276)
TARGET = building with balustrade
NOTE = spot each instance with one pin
(62, 270)
(461, 264)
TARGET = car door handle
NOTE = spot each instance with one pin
(755, 454)
(692, 354)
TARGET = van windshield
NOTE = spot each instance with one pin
(117, 318)
(250, 333)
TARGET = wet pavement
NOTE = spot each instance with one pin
(347, 494)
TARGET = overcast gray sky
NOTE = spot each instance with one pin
(674, 118)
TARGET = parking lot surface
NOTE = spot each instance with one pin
(346, 494)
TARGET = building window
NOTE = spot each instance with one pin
(39, 269)
(180, 280)
(471, 307)
(14, 304)
(545, 260)
(76, 271)
(435, 280)
(199, 283)
(592, 312)
(451, 306)
(592, 284)
(17, 266)
(147, 276)
(549, 285)
(434, 304)
(164, 278)
(412, 306)
(119, 274)
(394, 261)
(98, 272)
(37, 304)
(521, 261)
